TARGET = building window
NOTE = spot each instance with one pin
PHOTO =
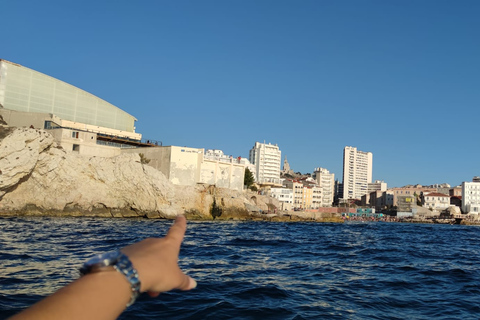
(76, 148)
(75, 134)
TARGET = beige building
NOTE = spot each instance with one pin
(414, 191)
(436, 201)
(306, 195)
(455, 191)
(297, 192)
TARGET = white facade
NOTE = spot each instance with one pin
(326, 183)
(267, 159)
(297, 191)
(436, 201)
(188, 167)
(357, 172)
(218, 155)
(471, 197)
(249, 166)
(26, 90)
(284, 195)
(317, 198)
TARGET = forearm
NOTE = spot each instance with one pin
(101, 295)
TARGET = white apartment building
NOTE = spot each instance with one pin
(326, 183)
(436, 201)
(471, 197)
(357, 172)
(317, 196)
(285, 196)
(267, 160)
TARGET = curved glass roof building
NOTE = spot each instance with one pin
(26, 90)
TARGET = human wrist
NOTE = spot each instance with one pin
(120, 263)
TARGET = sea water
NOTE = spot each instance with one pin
(262, 270)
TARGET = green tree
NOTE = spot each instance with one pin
(248, 179)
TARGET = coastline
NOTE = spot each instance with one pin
(230, 215)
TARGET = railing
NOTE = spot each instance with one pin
(114, 144)
(151, 142)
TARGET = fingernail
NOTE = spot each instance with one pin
(193, 283)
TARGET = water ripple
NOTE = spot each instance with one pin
(259, 270)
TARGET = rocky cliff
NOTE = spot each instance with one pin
(38, 177)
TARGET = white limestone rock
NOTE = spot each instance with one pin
(19, 152)
(38, 174)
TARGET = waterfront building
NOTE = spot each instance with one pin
(297, 192)
(378, 199)
(189, 166)
(219, 155)
(436, 201)
(387, 199)
(415, 191)
(471, 197)
(267, 161)
(284, 195)
(317, 197)
(326, 183)
(306, 194)
(405, 206)
(357, 172)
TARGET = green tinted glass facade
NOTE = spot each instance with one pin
(23, 89)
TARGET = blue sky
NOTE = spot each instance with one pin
(400, 79)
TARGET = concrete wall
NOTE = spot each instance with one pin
(223, 174)
(84, 143)
(185, 164)
(208, 172)
(24, 119)
(159, 157)
(333, 210)
(237, 177)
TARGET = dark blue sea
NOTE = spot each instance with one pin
(262, 270)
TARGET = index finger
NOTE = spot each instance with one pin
(177, 230)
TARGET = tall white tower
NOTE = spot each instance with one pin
(357, 172)
(267, 159)
(326, 182)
